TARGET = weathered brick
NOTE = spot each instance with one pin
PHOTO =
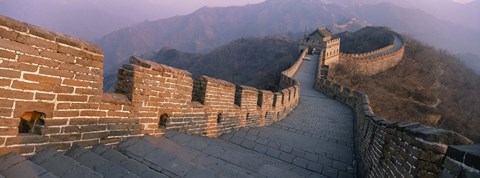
(56, 72)
(26, 106)
(110, 107)
(93, 113)
(8, 34)
(9, 122)
(5, 82)
(32, 86)
(6, 112)
(7, 54)
(57, 56)
(25, 39)
(71, 98)
(65, 137)
(26, 140)
(5, 103)
(86, 143)
(119, 114)
(83, 106)
(92, 128)
(118, 127)
(63, 89)
(100, 135)
(37, 60)
(41, 32)
(13, 45)
(88, 91)
(90, 63)
(42, 79)
(56, 122)
(69, 50)
(43, 96)
(76, 83)
(8, 131)
(74, 68)
(18, 66)
(83, 121)
(94, 78)
(17, 149)
(57, 146)
(107, 141)
(66, 114)
(71, 129)
(9, 73)
(13, 24)
(52, 130)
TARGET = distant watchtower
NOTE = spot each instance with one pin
(321, 40)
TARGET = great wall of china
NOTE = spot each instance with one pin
(61, 76)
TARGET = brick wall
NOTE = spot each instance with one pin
(399, 149)
(371, 63)
(61, 76)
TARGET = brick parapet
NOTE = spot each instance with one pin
(374, 62)
(61, 76)
(397, 149)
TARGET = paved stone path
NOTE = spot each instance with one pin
(317, 135)
(315, 140)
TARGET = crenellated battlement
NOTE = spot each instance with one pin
(333, 41)
(61, 76)
(394, 149)
(376, 61)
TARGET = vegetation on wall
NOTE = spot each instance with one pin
(365, 40)
(429, 86)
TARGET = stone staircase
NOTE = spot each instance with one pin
(174, 155)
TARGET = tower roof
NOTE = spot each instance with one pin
(324, 32)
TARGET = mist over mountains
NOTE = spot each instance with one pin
(208, 28)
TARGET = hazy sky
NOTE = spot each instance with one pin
(91, 19)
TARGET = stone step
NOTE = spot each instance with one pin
(99, 164)
(14, 165)
(175, 160)
(127, 163)
(240, 157)
(62, 165)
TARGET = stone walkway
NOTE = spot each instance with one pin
(315, 140)
(317, 135)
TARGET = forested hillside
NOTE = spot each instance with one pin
(254, 62)
(429, 86)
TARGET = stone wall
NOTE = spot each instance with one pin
(61, 77)
(373, 62)
(399, 149)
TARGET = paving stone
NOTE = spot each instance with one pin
(313, 166)
(251, 137)
(97, 163)
(262, 141)
(286, 157)
(301, 162)
(286, 148)
(271, 171)
(273, 152)
(236, 140)
(330, 172)
(339, 165)
(311, 157)
(298, 152)
(127, 163)
(9, 160)
(248, 144)
(24, 168)
(260, 148)
(274, 144)
(62, 165)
